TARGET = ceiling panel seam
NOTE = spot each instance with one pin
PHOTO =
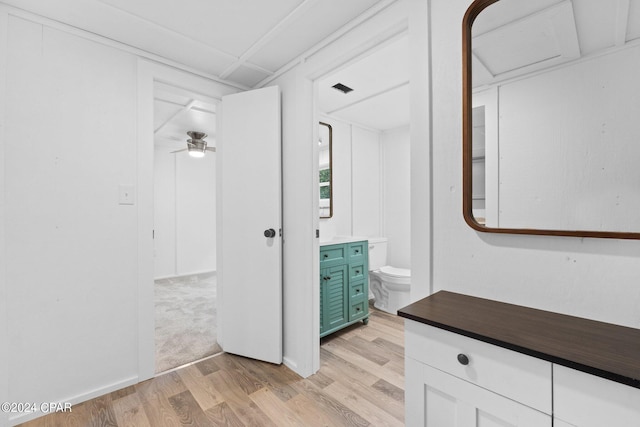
(106, 41)
(354, 23)
(169, 30)
(176, 114)
(266, 38)
(622, 22)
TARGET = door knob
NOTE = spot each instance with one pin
(270, 233)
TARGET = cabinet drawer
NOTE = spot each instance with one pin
(434, 398)
(357, 290)
(585, 400)
(514, 375)
(333, 255)
(357, 310)
(357, 251)
(357, 271)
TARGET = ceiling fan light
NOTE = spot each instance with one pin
(197, 148)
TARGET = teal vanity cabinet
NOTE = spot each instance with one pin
(344, 285)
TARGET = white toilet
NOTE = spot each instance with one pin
(390, 285)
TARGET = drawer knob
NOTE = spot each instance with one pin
(357, 290)
(357, 251)
(463, 359)
(357, 271)
(326, 255)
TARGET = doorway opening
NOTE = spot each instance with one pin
(370, 149)
(185, 288)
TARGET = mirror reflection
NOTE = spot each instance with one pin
(326, 190)
(555, 103)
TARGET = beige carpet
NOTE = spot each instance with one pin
(185, 320)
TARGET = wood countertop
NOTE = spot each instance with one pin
(603, 349)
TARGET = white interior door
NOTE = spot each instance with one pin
(249, 194)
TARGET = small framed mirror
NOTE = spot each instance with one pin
(325, 142)
(551, 136)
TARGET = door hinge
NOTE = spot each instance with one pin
(317, 234)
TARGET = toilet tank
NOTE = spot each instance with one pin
(377, 252)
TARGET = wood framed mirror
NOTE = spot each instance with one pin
(325, 142)
(551, 101)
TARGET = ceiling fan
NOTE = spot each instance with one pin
(196, 145)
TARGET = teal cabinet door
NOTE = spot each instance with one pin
(335, 298)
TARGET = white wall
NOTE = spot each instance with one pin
(372, 183)
(396, 155)
(184, 213)
(568, 143)
(366, 182)
(357, 182)
(593, 278)
(340, 223)
(71, 259)
(76, 271)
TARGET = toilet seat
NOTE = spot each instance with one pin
(395, 272)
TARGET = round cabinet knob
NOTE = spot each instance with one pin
(270, 233)
(463, 359)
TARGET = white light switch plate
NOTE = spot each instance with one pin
(127, 195)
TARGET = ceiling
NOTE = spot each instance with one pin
(515, 37)
(177, 111)
(243, 42)
(380, 83)
(246, 43)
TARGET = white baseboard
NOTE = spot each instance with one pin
(22, 418)
(290, 364)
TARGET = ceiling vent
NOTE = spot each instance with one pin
(342, 88)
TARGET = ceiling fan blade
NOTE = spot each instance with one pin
(211, 149)
(177, 151)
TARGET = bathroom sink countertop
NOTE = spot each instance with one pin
(342, 239)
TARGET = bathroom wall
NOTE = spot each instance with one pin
(340, 223)
(371, 187)
(593, 278)
(366, 183)
(396, 159)
(357, 182)
(184, 213)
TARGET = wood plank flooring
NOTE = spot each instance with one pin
(360, 383)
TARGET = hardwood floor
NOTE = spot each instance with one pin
(360, 383)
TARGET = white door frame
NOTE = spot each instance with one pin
(380, 29)
(149, 73)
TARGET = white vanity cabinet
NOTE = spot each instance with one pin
(473, 362)
(583, 400)
(455, 381)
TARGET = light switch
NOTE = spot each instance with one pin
(127, 195)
